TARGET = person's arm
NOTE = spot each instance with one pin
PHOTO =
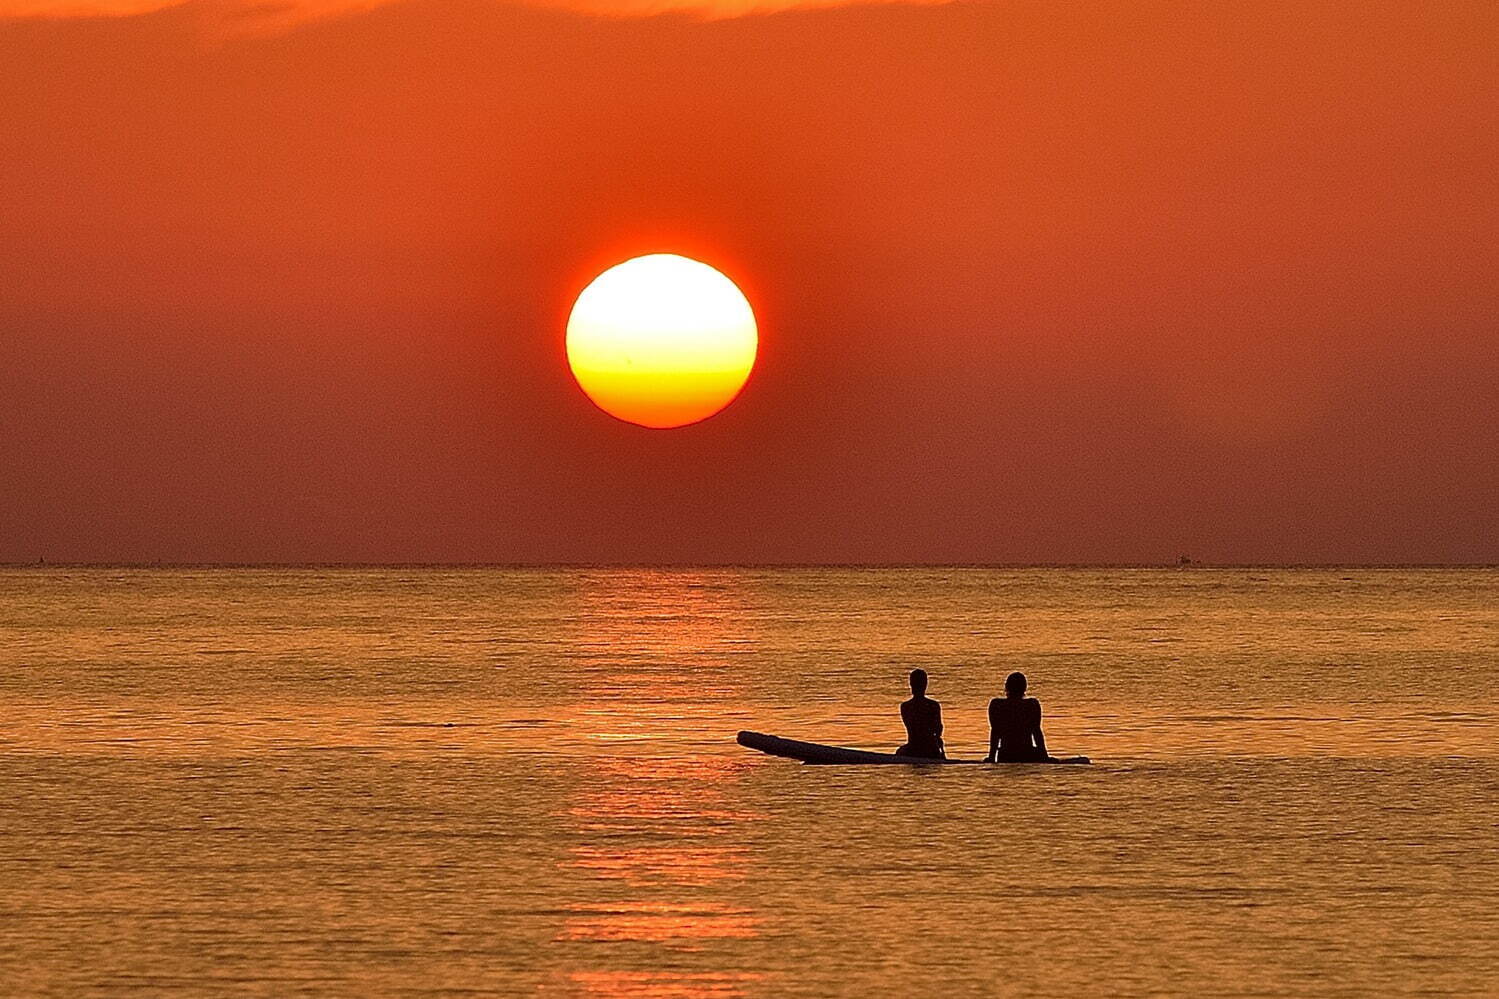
(938, 714)
(993, 737)
(1039, 738)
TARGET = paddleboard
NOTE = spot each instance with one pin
(816, 753)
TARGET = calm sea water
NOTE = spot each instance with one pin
(429, 782)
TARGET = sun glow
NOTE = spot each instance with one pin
(661, 341)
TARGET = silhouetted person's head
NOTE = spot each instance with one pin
(918, 682)
(1015, 684)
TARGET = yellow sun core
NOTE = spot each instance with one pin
(661, 341)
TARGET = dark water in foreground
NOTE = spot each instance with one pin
(424, 782)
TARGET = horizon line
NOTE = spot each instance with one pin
(581, 565)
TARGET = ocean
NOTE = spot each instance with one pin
(432, 782)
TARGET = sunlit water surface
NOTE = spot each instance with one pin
(426, 782)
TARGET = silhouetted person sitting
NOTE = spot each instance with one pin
(923, 718)
(1015, 726)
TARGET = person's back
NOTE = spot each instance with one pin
(1015, 725)
(922, 717)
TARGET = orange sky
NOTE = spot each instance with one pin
(1102, 284)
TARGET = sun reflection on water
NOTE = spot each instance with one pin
(644, 822)
(660, 922)
(658, 984)
(645, 866)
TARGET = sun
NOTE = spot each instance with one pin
(661, 341)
